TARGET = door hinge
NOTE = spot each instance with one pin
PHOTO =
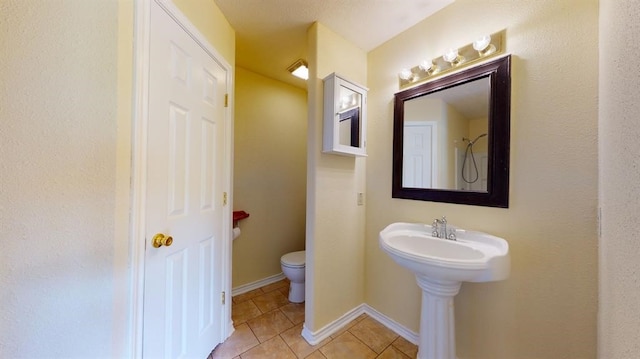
(226, 100)
(224, 198)
(223, 298)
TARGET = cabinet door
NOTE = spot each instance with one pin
(344, 117)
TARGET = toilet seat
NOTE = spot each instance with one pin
(293, 259)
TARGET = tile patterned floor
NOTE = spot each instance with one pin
(268, 326)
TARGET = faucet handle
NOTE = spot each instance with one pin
(434, 227)
(444, 220)
(452, 234)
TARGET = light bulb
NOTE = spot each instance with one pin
(344, 102)
(405, 74)
(484, 46)
(482, 43)
(429, 67)
(450, 55)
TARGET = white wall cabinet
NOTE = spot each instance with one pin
(345, 117)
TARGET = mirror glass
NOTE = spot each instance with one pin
(451, 138)
(349, 117)
(445, 138)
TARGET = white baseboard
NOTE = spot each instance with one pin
(257, 284)
(314, 338)
(399, 329)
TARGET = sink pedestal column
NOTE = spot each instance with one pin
(437, 327)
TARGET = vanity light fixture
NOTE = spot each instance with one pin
(299, 69)
(484, 47)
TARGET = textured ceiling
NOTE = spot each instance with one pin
(272, 34)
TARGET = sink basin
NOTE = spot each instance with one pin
(440, 266)
(473, 257)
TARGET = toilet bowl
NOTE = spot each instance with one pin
(293, 268)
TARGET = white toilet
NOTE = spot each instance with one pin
(293, 268)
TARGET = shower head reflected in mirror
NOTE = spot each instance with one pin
(471, 143)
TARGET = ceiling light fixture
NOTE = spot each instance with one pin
(299, 69)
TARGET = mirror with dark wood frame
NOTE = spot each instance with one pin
(451, 138)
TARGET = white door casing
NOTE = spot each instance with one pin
(182, 167)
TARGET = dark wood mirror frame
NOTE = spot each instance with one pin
(497, 194)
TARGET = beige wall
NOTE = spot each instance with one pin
(457, 127)
(477, 127)
(335, 224)
(270, 174)
(121, 336)
(67, 74)
(210, 21)
(619, 316)
(547, 308)
(58, 71)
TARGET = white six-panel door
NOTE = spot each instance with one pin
(419, 154)
(182, 285)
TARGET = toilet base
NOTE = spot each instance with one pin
(296, 292)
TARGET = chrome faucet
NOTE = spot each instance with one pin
(440, 229)
(435, 231)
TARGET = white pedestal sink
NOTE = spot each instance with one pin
(440, 266)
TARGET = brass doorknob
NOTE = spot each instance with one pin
(160, 240)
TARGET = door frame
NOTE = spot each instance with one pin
(142, 33)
